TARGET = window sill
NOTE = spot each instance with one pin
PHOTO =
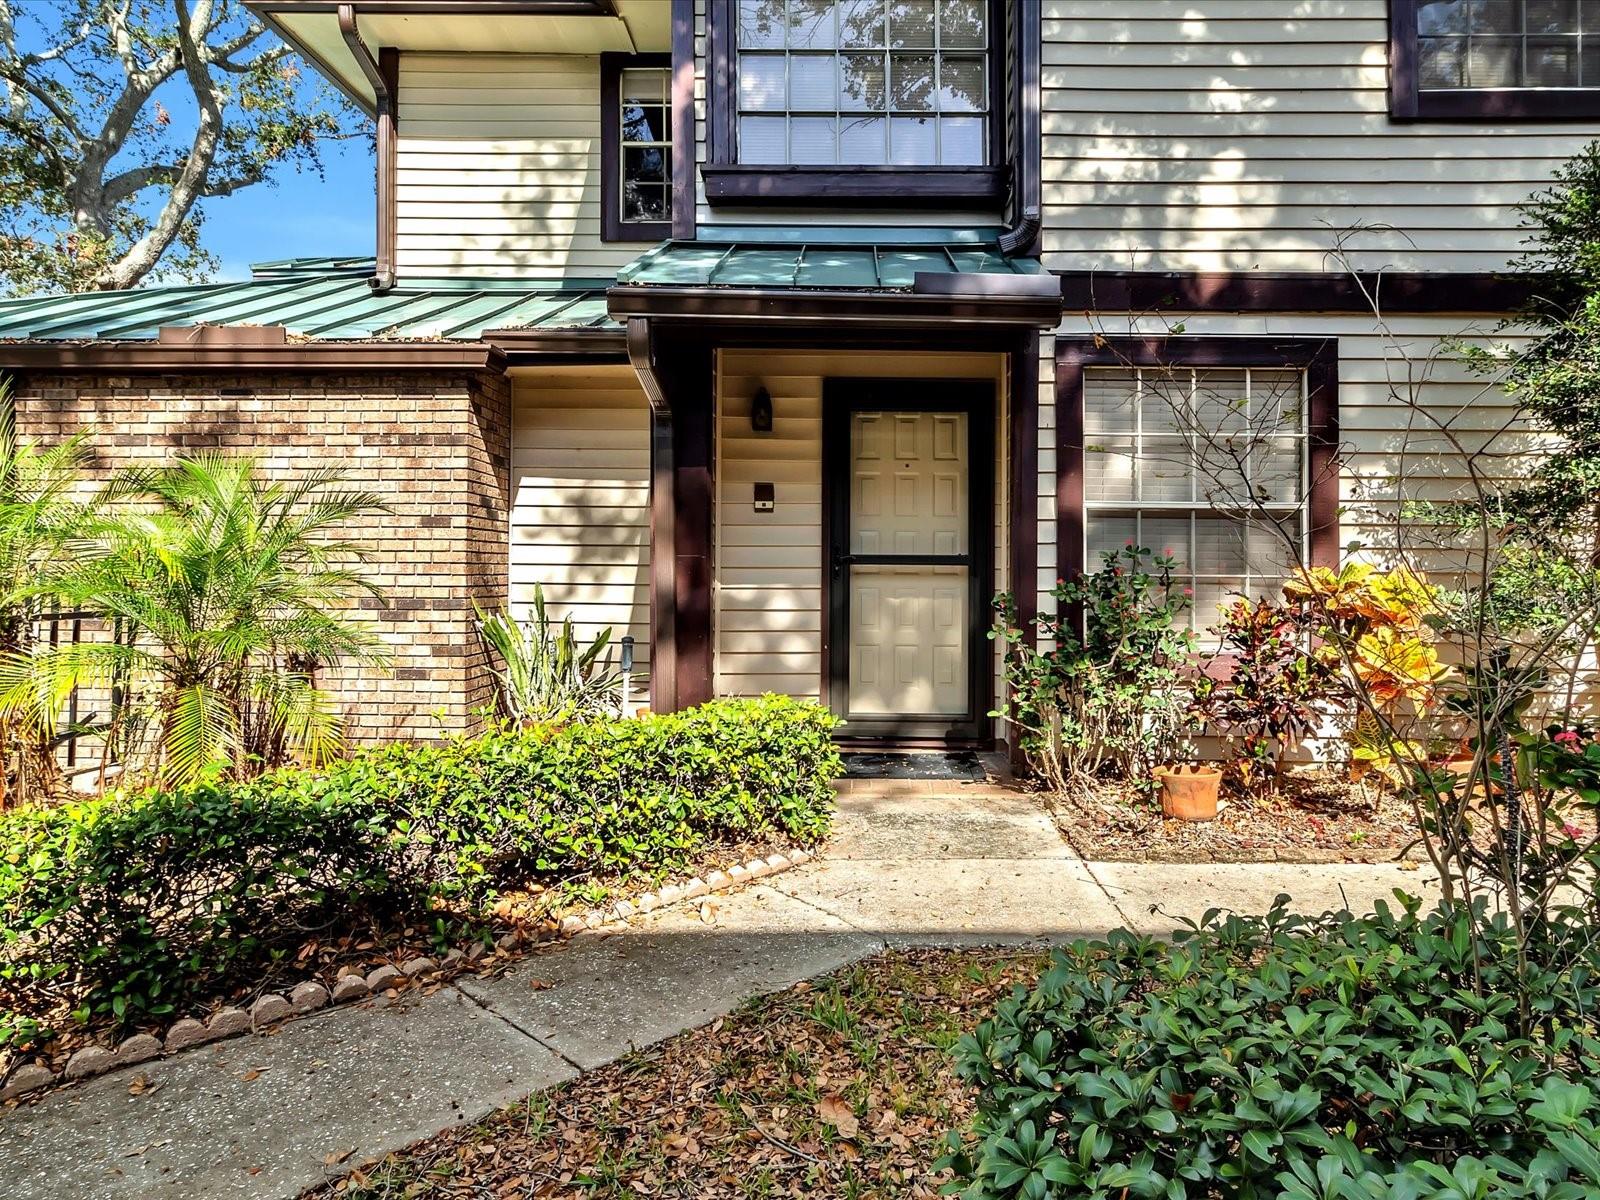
(1490, 105)
(613, 230)
(868, 187)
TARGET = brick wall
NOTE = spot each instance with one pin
(435, 447)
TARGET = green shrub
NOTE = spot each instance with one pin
(135, 906)
(1306, 1059)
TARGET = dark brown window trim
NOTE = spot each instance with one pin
(612, 227)
(727, 181)
(1408, 102)
(683, 120)
(1318, 357)
(1293, 291)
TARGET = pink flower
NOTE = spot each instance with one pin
(1129, 542)
(1566, 738)
(1167, 553)
(1572, 831)
(1188, 591)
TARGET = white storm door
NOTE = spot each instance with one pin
(909, 567)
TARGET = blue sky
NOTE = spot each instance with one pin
(297, 216)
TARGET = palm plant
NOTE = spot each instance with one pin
(44, 525)
(546, 675)
(230, 587)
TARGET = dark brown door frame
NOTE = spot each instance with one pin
(842, 398)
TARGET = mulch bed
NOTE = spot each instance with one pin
(1318, 818)
(838, 1087)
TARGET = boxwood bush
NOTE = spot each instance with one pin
(1304, 1059)
(134, 906)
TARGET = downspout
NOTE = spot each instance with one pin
(1021, 239)
(383, 91)
(663, 529)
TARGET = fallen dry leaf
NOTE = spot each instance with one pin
(836, 1111)
(335, 1157)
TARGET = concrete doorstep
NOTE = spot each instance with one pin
(263, 1118)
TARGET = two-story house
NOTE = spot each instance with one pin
(783, 334)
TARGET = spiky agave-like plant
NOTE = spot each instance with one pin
(545, 673)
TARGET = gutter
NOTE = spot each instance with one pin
(1022, 238)
(382, 73)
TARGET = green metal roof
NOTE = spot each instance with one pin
(321, 298)
(728, 256)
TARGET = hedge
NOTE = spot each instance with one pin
(134, 906)
(1298, 1058)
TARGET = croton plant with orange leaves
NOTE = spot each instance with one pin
(1379, 618)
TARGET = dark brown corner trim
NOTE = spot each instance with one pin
(683, 147)
(612, 227)
(292, 357)
(1292, 291)
(1408, 102)
(1022, 437)
(1319, 357)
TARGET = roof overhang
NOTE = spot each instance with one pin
(936, 301)
(202, 357)
(483, 26)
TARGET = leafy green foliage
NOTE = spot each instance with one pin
(545, 674)
(134, 906)
(1105, 696)
(119, 122)
(1327, 1058)
(228, 589)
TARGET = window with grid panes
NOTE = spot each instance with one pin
(645, 145)
(1476, 44)
(863, 82)
(1176, 459)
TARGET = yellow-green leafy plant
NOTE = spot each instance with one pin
(545, 672)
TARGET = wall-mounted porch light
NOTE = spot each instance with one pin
(761, 411)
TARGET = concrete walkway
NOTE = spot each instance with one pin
(267, 1117)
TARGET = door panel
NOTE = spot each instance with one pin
(908, 641)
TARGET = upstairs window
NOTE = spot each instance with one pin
(1495, 59)
(886, 83)
(636, 136)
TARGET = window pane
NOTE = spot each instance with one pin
(1168, 537)
(761, 24)
(961, 25)
(1219, 547)
(1589, 15)
(1552, 16)
(1441, 16)
(1106, 533)
(1164, 471)
(862, 82)
(864, 141)
(961, 85)
(644, 202)
(761, 86)
(811, 25)
(1108, 401)
(912, 141)
(1220, 404)
(1591, 62)
(911, 24)
(1443, 62)
(911, 82)
(646, 164)
(1276, 469)
(1276, 401)
(1495, 16)
(961, 141)
(811, 140)
(1268, 554)
(1552, 62)
(861, 24)
(644, 85)
(1164, 404)
(1492, 62)
(811, 83)
(1108, 469)
(761, 139)
(644, 123)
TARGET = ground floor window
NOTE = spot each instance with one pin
(1217, 452)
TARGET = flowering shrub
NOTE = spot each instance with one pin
(1107, 697)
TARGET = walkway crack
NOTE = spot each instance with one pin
(1106, 892)
(525, 1032)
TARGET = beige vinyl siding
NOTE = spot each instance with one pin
(768, 590)
(1244, 134)
(498, 167)
(580, 517)
(1393, 451)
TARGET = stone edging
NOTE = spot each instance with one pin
(309, 996)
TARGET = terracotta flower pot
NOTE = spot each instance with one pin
(1189, 793)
